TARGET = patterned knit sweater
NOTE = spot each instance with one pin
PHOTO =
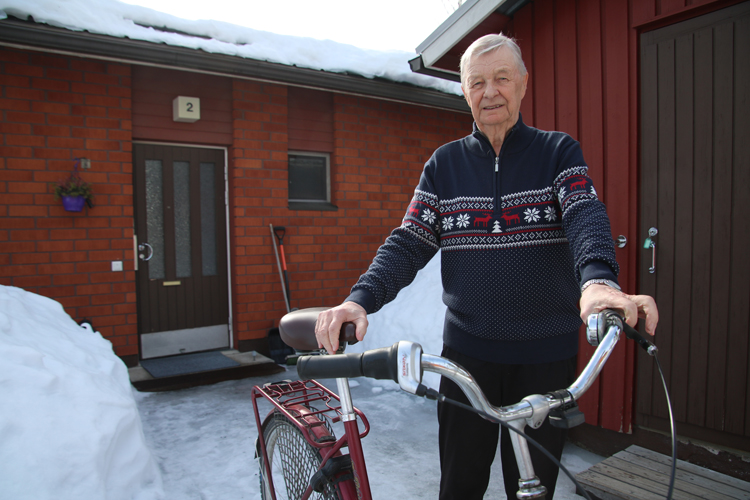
(518, 233)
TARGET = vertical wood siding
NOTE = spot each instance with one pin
(583, 64)
(579, 84)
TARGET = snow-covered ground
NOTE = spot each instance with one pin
(204, 441)
(71, 426)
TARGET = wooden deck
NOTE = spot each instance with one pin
(640, 474)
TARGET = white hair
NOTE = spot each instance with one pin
(490, 43)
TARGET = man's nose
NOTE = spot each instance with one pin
(491, 89)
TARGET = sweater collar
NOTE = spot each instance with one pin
(518, 139)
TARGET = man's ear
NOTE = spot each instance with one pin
(465, 96)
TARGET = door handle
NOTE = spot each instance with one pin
(141, 248)
(650, 243)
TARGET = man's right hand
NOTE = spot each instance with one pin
(328, 326)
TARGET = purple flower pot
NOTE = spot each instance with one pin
(73, 203)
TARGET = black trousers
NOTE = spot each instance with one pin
(468, 442)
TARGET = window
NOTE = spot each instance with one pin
(309, 180)
(310, 128)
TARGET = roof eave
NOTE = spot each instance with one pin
(467, 18)
(34, 36)
(463, 21)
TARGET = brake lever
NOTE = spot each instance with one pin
(599, 323)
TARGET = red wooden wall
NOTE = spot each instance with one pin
(582, 57)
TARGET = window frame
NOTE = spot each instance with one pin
(316, 204)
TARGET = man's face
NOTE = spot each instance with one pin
(494, 88)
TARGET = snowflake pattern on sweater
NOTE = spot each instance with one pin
(528, 218)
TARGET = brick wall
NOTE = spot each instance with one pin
(380, 149)
(54, 109)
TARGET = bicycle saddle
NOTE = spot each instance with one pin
(297, 329)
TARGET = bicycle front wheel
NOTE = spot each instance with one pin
(293, 461)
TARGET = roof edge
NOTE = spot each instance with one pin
(35, 36)
(463, 21)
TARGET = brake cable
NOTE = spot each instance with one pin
(433, 394)
(673, 430)
(650, 349)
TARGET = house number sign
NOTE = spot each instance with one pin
(186, 109)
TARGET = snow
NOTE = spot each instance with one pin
(72, 427)
(204, 439)
(69, 425)
(117, 19)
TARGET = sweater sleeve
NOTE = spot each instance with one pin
(407, 250)
(584, 217)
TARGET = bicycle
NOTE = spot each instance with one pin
(300, 455)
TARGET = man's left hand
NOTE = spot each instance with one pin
(598, 297)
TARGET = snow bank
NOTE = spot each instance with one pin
(69, 425)
(417, 314)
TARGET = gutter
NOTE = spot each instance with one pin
(31, 36)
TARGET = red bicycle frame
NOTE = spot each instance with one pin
(295, 400)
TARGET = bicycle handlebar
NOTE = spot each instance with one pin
(404, 362)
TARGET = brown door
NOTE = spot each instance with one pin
(695, 190)
(182, 289)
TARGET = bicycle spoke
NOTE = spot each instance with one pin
(293, 462)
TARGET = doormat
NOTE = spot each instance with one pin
(187, 363)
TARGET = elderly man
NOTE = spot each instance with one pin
(523, 239)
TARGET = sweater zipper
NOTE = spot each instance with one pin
(498, 177)
(497, 188)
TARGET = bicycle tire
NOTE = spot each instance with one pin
(293, 461)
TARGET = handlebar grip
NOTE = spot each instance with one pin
(335, 366)
(377, 363)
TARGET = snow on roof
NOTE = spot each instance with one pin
(116, 19)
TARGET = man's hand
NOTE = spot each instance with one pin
(328, 326)
(598, 297)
